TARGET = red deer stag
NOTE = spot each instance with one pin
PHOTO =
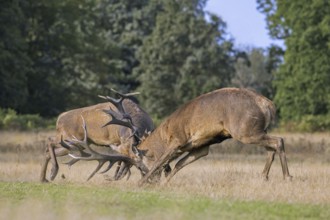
(69, 125)
(241, 114)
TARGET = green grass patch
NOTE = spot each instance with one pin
(63, 201)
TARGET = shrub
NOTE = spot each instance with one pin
(308, 123)
(315, 123)
(9, 119)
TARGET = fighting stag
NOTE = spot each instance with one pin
(87, 153)
(71, 125)
(211, 118)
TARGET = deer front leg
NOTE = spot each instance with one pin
(188, 159)
(44, 166)
(167, 168)
(49, 155)
(52, 151)
(158, 165)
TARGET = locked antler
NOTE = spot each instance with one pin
(80, 150)
(85, 152)
(122, 117)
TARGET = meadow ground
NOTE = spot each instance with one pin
(225, 184)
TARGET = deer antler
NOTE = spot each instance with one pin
(80, 150)
(87, 153)
(118, 102)
(121, 117)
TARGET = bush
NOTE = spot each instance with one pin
(315, 123)
(308, 123)
(9, 119)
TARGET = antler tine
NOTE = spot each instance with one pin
(118, 115)
(85, 129)
(122, 172)
(115, 102)
(82, 145)
(101, 163)
(126, 119)
(128, 123)
(124, 95)
(118, 102)
(104, 157)
(69, 145)
(108, 167)
(117, 121)
(71, 162)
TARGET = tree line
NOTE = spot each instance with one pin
(59, 55)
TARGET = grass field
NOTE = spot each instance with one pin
(227, 184)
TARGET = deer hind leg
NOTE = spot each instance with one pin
(271, 154)
(284, 163)
(272, 144)
(188, 159)
(53, 150)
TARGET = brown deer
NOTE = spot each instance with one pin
(69, 125)
(241, 114)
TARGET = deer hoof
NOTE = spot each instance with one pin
(53, 173)
(108, 178)
(265, 178)
(44, 180)
(289, 178)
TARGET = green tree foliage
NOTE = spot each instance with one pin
(125, 23)
(14, 62)
(71, 55)
(184, 56)
(50, 54)
(303, 80)
(56, 55)
(254, 72)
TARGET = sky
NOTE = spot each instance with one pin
(244, 22)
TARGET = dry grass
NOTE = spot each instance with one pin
(232, 176)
